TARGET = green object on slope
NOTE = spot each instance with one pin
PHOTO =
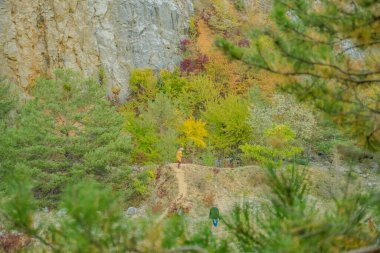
(214, 213)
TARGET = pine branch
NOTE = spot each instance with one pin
(187, 249)
(359, 46)
(369, 249)
(313, 63)
(307, 73)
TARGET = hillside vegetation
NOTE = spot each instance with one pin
(279, 131)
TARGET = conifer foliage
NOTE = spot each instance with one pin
(329, 50)
(90, 220)
(67, 131)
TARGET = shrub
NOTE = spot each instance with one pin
(199, 91)
(142, 182)
(279, 146)
(154, 132)
(193, 31)
(143, 83)
(201, 61)
(102, 76)
(207, 157)
(239, 5)
(144, 138)
(172, 84)
(225, 16)
(329, 138)
(162, 113)
(283, 109)
(184, 44)
(227, 124)
(196, 65)
(244, 43)
(168, 145)
(8, 100)
(186, 66)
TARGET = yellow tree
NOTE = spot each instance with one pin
(193, 135)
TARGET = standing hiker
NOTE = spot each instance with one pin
(179, 156)
(214, 215)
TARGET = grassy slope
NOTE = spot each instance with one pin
(229, 186)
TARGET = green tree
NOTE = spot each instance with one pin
(66, 132)
(143, 83)
(91, 220)
(199, 91)
(172, 83)
(279, 146)
(155, 130)
(283, 109)
(227, 124)
(330, 52)
(290, 222)
(8, 99)
(194, 132)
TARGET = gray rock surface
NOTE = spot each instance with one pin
(132, 210)
(261, 6)
(39, 36)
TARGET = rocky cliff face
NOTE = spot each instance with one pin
(92, 36)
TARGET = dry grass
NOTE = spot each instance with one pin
(226, 187)
(165, 191)
(13, 242)
(209, 199)
(157, 207)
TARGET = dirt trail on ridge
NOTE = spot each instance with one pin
(182, 196)
(182, 185)
(193, 189)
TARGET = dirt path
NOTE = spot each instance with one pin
(182, 190)
(182, 185)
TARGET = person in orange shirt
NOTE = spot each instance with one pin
(179, 157)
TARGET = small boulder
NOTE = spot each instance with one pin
(132, 210)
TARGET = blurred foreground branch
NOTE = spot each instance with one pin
(369, 249)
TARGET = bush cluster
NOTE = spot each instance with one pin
(172, 109)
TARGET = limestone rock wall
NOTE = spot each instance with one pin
(39, 36)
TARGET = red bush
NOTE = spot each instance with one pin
(244, 43)
(184, 44)
(194, 65)
(201, 61)
(186, 66)
(13, 242)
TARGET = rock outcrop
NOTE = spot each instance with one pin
(258, 6)
(90, 36)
